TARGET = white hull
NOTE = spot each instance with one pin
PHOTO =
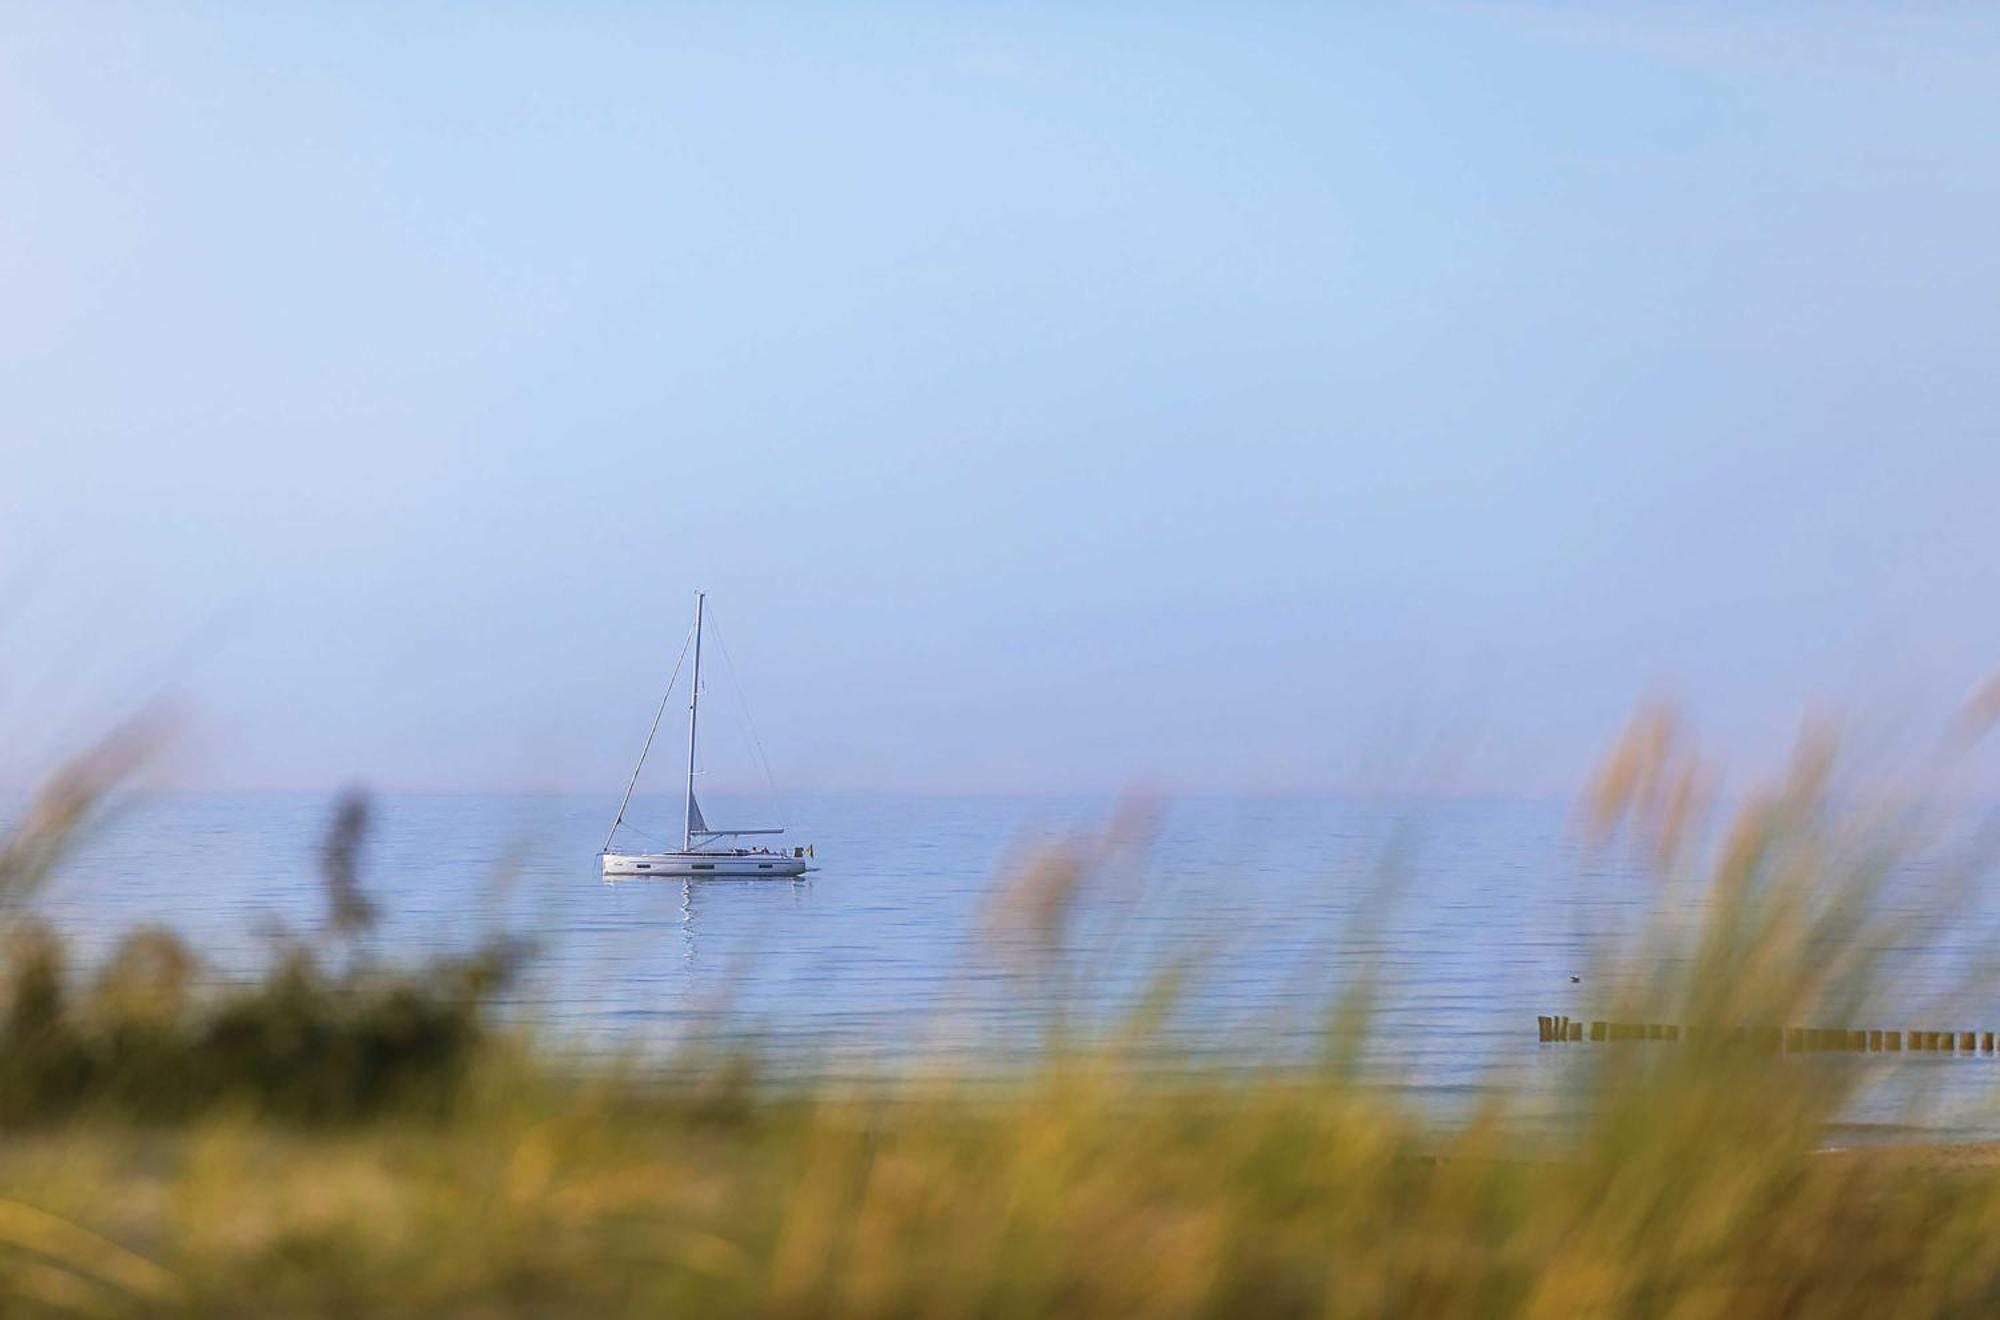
(707, 865)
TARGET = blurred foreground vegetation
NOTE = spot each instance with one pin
(342, 1137)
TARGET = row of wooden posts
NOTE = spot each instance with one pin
(1792, 1040)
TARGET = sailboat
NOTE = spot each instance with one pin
(705, 852)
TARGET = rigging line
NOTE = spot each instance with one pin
(770, 780)
(631, 783)
(646, 835)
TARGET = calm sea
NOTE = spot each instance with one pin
(1470, 916)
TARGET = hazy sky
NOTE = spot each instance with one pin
(1064, 396)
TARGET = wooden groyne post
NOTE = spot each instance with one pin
(1561, 1029)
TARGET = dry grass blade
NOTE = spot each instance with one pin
(26, 1228)
(74, 801)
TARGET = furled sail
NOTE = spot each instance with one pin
(696, 825)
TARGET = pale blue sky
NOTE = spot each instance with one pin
(1246, 396)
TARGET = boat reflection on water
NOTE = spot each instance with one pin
(693, 891)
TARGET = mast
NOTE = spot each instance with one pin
(694, 703)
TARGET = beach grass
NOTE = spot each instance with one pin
(342, 1138)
